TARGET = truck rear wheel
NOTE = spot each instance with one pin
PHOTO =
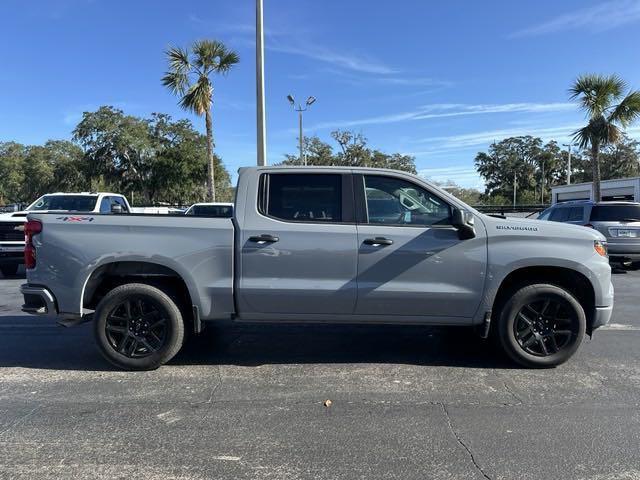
(541, 326)
(138, 327)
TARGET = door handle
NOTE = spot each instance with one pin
(378, 241)
(264, 238)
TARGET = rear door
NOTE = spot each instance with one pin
(411, 261)
(298, 249)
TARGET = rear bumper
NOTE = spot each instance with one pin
(38, 300)
(629, 250)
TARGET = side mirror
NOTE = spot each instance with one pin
(463, 221)
(116, 208)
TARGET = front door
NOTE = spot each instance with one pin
(411, 261)
(298, 247)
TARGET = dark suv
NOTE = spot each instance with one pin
(618, 221)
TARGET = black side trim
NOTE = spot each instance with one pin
(360, 199)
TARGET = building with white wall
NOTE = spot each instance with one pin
(619, 189)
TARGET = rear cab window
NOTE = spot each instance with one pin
(615, 213)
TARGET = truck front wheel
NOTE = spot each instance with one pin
(541, 326)
(138, 327)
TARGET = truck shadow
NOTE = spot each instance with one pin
(254, 345)
(43, 345)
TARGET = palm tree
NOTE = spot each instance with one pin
(609, 112)
(189, 78)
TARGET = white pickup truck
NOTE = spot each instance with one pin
(12, 224)
(311, 244)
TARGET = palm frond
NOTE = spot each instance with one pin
(177, 82)
(213, 56)
(227, 61)
(582, 137)
(198, 97)
(596, 93)
(178, 59)
(627, 110)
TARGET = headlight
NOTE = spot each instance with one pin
(600, 247)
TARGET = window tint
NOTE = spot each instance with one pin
(393, 201)
(72, 203)
(559, 215)
(615, 213)
(120, 201)
(545, 215)
(105, 205)
(303, 197)
(223, 211)
(576, 214)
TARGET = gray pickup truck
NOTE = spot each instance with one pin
(311, 244)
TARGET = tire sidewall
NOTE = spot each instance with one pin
(175, 335)
(512, 306)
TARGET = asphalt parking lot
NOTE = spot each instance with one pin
(247, 402)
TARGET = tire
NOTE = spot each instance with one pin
(541, 326)
(138, 327)
(9, 270)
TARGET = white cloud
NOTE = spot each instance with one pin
(447, 110)
(461, 175)
(597, 18)
(338, 59)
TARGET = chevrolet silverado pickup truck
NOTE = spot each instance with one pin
(320, 244)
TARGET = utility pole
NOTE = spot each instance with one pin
(542, 193)
(300, 109)
(568, 145)
(515, 187)
(261, 136)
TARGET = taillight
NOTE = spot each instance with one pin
(31, 228)
(588, 225)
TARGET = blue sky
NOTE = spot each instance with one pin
(438, 80)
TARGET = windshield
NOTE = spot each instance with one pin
(615, 213)
(71, 203)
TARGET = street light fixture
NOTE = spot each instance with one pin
(299, 108)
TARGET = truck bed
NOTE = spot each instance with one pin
(198, 249)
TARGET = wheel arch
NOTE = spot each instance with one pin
(110, 275)
(569, 279)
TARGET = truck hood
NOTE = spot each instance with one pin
(13, 217)
(535, 228)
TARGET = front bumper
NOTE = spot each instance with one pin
(602, 317)
(38, 300)
(11, 254)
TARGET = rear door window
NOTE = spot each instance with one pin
(311, 197)
(615, 213)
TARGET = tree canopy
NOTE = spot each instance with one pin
(151, 160)
(353, 151)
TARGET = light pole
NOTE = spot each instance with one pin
(261, 136)
(310, 101)
(568, 145)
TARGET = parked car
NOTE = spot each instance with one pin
(306, 245)
(619, 222)
(223, 210)
(12, 224)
